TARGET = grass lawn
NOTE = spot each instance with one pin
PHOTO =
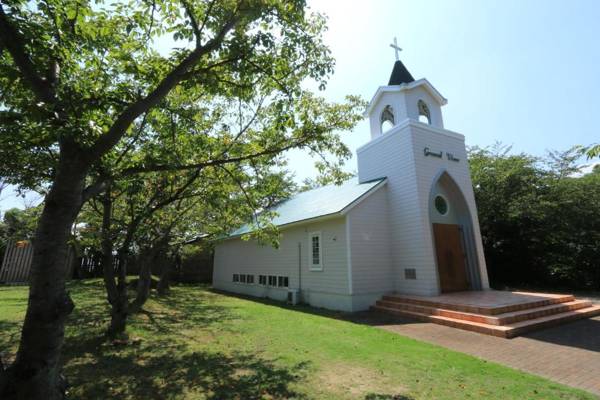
(197, 344)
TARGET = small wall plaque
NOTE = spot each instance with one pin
(410, 273)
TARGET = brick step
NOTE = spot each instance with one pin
(487, 329)
(547, 300)
(499, 319)
(519, 328)
(539, 312)
(506, 331)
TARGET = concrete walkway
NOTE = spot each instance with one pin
(569, 354)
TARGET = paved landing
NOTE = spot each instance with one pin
(569, 354)
(488, 301)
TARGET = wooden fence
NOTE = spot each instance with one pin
(16, 264)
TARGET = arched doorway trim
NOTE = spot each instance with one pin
(459, 218)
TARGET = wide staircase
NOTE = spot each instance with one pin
(512, 314)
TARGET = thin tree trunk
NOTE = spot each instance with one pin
(147, 262)
(120, 306)
(107, 260)
(115, 292)
(120, 300)
(145, 278)
(35, 374)
(164, 284)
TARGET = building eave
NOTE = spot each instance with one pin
(336, 214)
(362, 198)
(416, 124)
(288, 225)
(406, 86)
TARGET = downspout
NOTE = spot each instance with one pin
(299, 271)
(349, 256)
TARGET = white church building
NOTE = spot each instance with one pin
(406, 224)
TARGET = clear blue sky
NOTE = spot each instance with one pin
(526, 72)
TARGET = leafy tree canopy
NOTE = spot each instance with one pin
(92, 69)
(539, 219)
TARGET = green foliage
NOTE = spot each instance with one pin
(100, 63)
(592, 151)
(327, 176)
(135, 99)
(540, 223)
(20, 224)
(181, 105)
(195, 263)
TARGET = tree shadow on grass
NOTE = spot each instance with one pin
(370, 318)
(197, 308)
(168, 371)
(10, 333)
(162, 364)
(170, 314)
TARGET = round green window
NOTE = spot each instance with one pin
(441, 205)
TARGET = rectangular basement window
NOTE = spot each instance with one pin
(236, 278)
(250, 279)
(262, 280)
(315, 251)
(283, 281)
(272, 280)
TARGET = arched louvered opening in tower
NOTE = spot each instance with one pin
(424, 114)
(387, 119)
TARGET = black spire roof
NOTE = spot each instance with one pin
(400, 75)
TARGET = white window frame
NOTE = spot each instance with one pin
(311, 266)
(447, 205)
(266, 278)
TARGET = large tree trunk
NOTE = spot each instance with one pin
(35, 374)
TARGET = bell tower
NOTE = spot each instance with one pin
(404, 98)
(429, 186)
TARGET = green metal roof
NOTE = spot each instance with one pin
(320, 202)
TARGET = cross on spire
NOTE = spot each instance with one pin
(396, 48)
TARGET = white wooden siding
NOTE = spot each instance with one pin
(398, 155)
(392, 156)
(370, 245)
(429, 169)
(249, 257)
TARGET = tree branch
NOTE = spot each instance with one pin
(126, 118)
(94, 190)
(209, 163)
(190, 13)
(206, 15)
(13, 41)
(251, 203)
